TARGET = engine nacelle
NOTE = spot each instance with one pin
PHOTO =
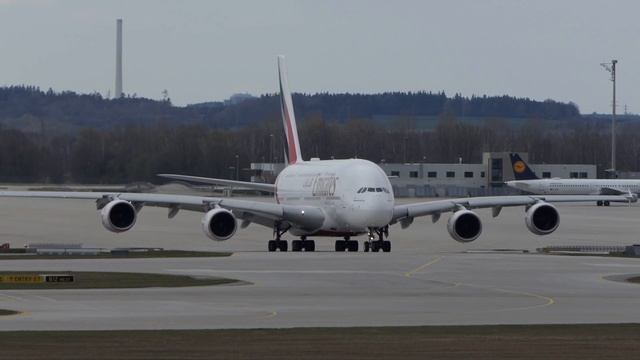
(542, 218)
(118, 216)
(219, 224)
(464, 226)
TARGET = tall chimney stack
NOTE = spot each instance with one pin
(119, 59)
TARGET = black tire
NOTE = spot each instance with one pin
(283, 245)
(375, 246)
(599, 203)
(309, 245)
(366, 246)
(271, 245)
(606, 203)
(296, 245)
(386, 246)
(340, 245)
(352, 245)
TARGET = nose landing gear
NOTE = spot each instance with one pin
(380, 244)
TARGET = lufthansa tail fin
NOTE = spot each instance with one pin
(521, 171)
(288, 117)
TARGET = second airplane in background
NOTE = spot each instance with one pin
(526, 180)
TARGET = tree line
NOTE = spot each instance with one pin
(30, 109)
(133, 153)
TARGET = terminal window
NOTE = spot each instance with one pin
(413, 174)
(496, 169)
(395, 173)
(432, 174)
(451, 174)
(573, 175)
(583, 175)
(546, 174)
(481, 174)
(468, 174)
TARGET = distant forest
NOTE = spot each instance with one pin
(66, 137)
(31, 109)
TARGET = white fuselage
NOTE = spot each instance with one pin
(577, 186)
(336, 187)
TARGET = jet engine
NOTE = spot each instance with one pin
(542, 218)
(219, 224)
(118, 216)
(464, 226)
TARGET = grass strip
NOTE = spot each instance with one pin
(130, 255)
(114, 280)
(613, 341)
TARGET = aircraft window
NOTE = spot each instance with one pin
(361, 190)
(371, 190)
(378, 189)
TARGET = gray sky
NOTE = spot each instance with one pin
(208, 50)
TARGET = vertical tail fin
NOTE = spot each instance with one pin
(521, 171)
(288, 117)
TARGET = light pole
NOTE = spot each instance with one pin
(237, 167)
(611, 68)
(271, 148)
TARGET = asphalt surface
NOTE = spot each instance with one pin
(427, 279)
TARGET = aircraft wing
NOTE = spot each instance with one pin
(263, 213)
(233, 183)
(407, 212)
(612, 191)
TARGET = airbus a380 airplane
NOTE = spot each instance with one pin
(336, 198)
(526, 180)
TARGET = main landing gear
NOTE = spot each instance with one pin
(282, 245)
(278, 244)
(380, 244)
(602, 203)
(347, 245)
(303, 244)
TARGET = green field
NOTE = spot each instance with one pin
(114, 280)
(448, 342)
(131, 255)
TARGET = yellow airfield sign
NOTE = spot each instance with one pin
(21, 279)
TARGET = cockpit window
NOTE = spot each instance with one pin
(371, 189)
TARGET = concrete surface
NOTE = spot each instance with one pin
(427, 279)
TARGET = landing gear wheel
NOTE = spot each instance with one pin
(340, 245)
(606, 203)
(375, 246)
(296, 245)
(366, 246)
(352, 245)
(386, 246)
(283, 245)
(278, 244)
(309, 245)
(599, 203)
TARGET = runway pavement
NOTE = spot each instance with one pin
(427, 279)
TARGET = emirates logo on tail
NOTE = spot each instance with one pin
(288, 117)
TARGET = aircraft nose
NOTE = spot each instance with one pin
(375, 211)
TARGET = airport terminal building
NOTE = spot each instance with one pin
(455, 179)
